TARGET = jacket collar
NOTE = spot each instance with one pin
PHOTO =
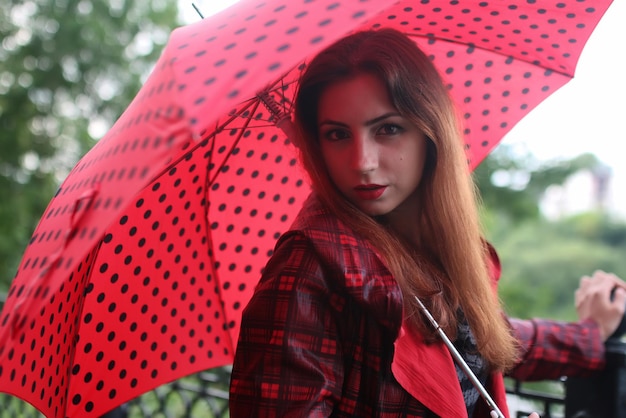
(427, 372)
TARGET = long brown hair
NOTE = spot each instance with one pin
(450, 271)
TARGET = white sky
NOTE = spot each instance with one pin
(586, 115)
(207, 7)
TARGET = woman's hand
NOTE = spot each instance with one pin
(602, 298)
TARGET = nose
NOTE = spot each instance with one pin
(364, 154)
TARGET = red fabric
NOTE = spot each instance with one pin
(553, 349)
(318, 336)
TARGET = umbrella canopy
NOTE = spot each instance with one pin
(141, 264)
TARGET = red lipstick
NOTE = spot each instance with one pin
(370, 191)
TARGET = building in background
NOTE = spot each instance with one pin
(585, 191)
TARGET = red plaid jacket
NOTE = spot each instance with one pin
(317, 338)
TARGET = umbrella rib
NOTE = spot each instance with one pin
(264, 125)
(236, 141)
(491, 51)
(281, 80)
(218, 129)
(284, 99)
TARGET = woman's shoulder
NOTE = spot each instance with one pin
(319, 244)
(336, 244)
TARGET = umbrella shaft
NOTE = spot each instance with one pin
(459, 360)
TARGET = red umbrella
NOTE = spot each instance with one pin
(144, 258)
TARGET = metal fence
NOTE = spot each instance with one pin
(546, 398)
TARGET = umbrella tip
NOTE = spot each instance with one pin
(197, 10)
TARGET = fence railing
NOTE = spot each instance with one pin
(547, 398)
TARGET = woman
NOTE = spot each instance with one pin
(334, 328)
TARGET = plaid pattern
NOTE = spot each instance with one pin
(317, 338)
(552, 349)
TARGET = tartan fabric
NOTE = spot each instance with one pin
(317, 338)
(553, 349)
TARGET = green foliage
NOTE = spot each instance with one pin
(595, 227)
(543, 261)
(14, 407)
(512, 185)
(68, 69)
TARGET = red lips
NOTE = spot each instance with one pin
(369, 191)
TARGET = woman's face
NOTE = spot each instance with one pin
(374, 155)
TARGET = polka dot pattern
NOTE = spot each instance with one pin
(145, 257)
(499, 58)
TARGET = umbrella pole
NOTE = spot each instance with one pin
(462, 364)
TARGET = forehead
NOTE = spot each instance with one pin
(363, 95)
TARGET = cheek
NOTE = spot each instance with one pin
(420, 154)
(411, 161)
(330, 161)
(326, 156)
(331, 154)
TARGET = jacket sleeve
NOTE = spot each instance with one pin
(288, 359)
(550, 349)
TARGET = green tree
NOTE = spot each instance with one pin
(69, 68)
(542, 263)
(543, 260)
(511, 185)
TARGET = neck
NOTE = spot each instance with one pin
(404, 223)
(405, 228)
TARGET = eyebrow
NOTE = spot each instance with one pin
(367, 123)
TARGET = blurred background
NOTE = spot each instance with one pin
(553, 194)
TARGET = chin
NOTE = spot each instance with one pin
(373, 209)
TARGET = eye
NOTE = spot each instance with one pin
(390, 129)
(335, 134)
